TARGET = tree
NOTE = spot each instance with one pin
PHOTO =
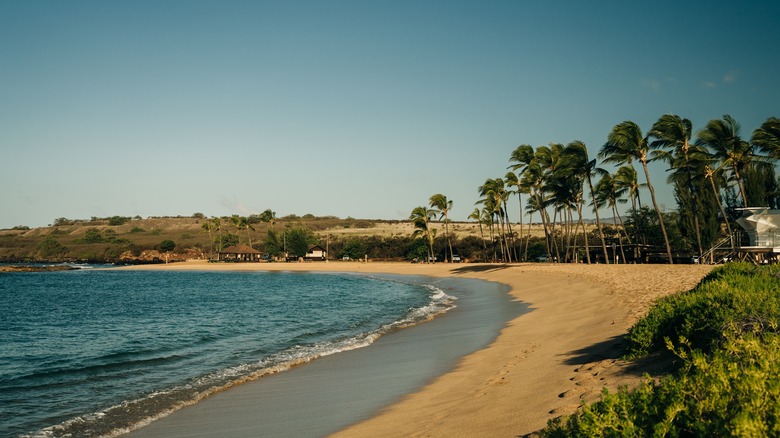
(208, 227)
(722, 138)
(767, 138)
(578, 162)
(354, 248)
(625, 144)
(494, 198)
(268, 216)
(299, 239)
(421, 217)
(627, 178)
(273, 244)
(522, 157)
(674, 132)
(443, 205)
(609, 193)
(477, 216)
(167, 245)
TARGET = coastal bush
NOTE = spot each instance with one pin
(738, 297)
(724, 333)
(735, 391)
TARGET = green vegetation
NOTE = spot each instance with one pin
(118, 220)
(734, 299)
(725, 335)
(712, 173)
(167, 245)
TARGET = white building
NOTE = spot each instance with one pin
(762, 226)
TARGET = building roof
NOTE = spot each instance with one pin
(316, 247)
(239, 249)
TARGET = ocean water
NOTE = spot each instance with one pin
(94, 353)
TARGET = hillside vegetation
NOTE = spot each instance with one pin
(115, 238)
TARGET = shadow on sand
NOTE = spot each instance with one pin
(480, 268)
(655, 364)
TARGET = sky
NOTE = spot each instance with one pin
(357, 109)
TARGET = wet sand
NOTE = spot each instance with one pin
(543, 364)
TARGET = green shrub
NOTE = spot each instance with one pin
(118, 220)
(735, 391)
(736, 297)
(724, 332)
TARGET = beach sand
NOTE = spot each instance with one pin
(542, 365)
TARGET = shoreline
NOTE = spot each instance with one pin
(543, 364)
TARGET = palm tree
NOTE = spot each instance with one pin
(440, 203)
(513, 181)
(247, 225)
(767, 138)
(477, 216)
(627, 178)
(208, 226)
(578, 160)
(421, 218)
(625, 144)
(673, 131)
(711, 173)
(608, 193)
(722, 137)
(533, 179)
(494, 196)
(522, 156)
(216, 225)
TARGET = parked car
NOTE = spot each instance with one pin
(456, 259)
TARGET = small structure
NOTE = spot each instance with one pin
(316, 252)
(762, 227)
(239, 253)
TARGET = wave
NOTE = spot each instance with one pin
(134, 414)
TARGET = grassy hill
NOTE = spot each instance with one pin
(111, 239)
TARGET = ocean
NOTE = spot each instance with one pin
(97, 352)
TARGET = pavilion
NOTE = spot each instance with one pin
(239, 253)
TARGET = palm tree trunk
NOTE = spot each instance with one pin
(447, 232)
(658, 212)
(620, 239)
(509, 239)
(584, 232)
(720, 206)
(528, 239)
(598, 220)
(484, 245)
(520, 236)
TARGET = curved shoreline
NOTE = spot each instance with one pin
(543, 364)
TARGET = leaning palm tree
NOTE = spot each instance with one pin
(513, 181)
(522, 157)
(767, 138)
(674, 132)
(625, 144)
(722, 137)
(477, 216)
(443, 206)
(421, 217)
(494, 195)
(609, 193)
(627, 178)
(578, 161)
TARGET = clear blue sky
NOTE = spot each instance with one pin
(346, 108)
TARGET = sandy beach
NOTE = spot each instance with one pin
(543, 364)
